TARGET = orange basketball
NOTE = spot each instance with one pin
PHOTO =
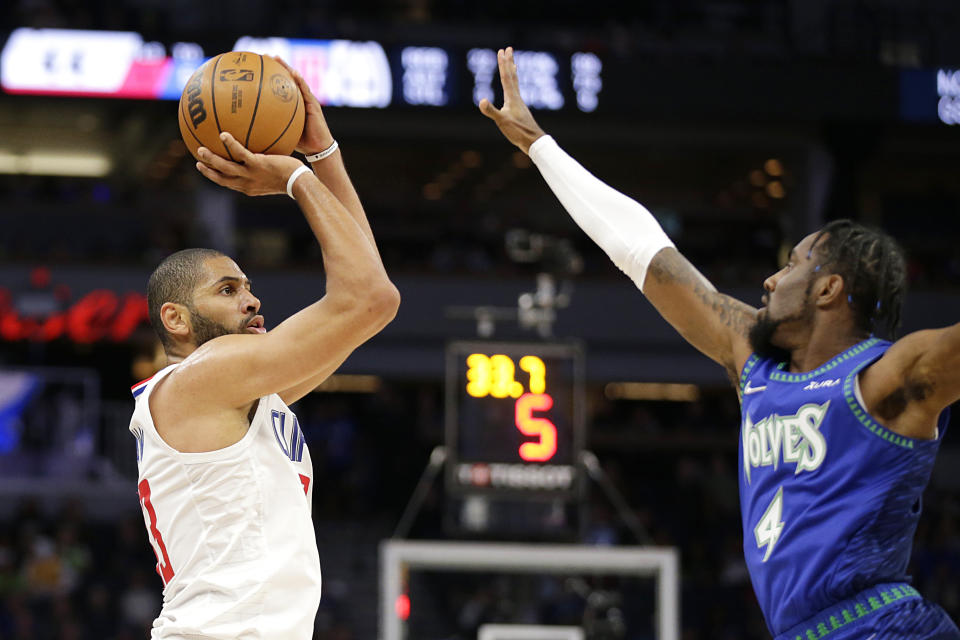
(251, 96)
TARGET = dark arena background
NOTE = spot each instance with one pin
(741, 124)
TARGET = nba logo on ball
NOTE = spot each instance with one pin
(236, 75)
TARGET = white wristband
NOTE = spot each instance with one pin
(326, 153)
(623, 228)
(299, 171)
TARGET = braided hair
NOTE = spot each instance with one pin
(873, 269)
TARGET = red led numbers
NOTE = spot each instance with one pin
(529, 425)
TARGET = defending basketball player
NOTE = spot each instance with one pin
(225, 479)
(840, 426)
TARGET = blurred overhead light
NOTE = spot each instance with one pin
(432, 191)
(668, 391)
(343, 383)
(521, 160)
(775, 190)
(56, 163)
(471, 159)
(773, 167)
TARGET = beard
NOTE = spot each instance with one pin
(206, 329)
(761, 340)
(762, 332)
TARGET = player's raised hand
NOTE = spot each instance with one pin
(254, 174)
(514, 119)
(316, 134)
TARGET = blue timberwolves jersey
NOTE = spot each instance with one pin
(829, 498)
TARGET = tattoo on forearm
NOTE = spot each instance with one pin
(732, 312)
(670, 267)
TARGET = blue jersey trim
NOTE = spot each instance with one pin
(747, 368)
(856, 349)
(867, 421)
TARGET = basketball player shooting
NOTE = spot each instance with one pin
(840, 424)
(225, 479)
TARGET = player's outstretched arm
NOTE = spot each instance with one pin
(714, 323)
(333, 174)
(331, 170)
(360, 300)
(914, 381)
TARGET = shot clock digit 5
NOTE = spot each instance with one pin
(514, 418)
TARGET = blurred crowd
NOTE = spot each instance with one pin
(64, 576)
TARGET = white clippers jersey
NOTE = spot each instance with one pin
(231, 528)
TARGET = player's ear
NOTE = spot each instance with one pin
(829, 290)
(175, 318)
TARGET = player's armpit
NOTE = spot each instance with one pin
(294, 393)
(914, 381)
(715, 323)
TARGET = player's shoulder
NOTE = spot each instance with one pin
(211, 373)
(886, 374)
(900, 387)
(142, 390)
(196, 374)
(189, 416)
(907, 349)
(920, 339)
(181, 392)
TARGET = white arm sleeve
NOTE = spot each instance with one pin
(621, 226)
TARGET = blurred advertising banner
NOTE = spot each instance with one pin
(40, 309)
(16, 390)
(342, 73)
(930, 95)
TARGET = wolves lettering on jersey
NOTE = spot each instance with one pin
(798, 437)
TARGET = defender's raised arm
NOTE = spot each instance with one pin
(714, 323)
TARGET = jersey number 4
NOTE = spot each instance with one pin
(768, 530)
(164, 568)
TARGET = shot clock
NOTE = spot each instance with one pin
(514, 418)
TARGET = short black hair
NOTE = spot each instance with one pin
(874, 273)
(174, 280)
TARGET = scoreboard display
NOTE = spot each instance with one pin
(514, 418)
(342, 73)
